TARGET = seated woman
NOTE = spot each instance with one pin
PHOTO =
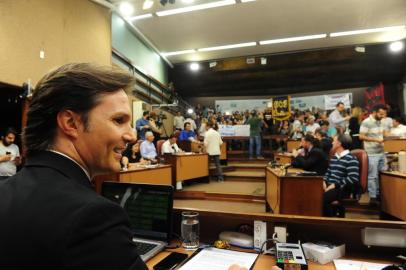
(132, 155)
(187, 134)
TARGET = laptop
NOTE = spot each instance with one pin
(149, 208)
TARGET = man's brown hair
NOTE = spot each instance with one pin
(76, 87)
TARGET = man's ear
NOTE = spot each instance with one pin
(69, 123)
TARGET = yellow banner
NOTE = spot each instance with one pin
(281, 108)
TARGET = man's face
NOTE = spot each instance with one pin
(100, 146)
(150, 138)
(8, 139)
(340, 108)
(172, 140)
(380, 114)
(336, 144)
(395, 123)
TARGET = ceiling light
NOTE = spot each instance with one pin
(177, 52)
(282, 40)
(194, 66)
(147, 4)
(140, 17)
(366, 31)
(396, 46)
(190, 111)
(196, 7)
(126, 9)
(360, 49)
(232, 46)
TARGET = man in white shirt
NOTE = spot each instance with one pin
(398, 129)
(170, 146)
(212, 143)
(178, 121)
(336, 119)
(9, 154)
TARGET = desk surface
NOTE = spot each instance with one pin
(395, 173)
(264, 262)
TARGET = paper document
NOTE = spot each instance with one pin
(219, 259)
(357, 265)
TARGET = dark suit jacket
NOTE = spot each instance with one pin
(315, 160)
(50, 218)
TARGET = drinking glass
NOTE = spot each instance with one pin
(190, 229)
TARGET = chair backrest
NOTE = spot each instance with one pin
(362, 157)
(159, 147)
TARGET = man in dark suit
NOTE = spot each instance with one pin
(50, 217)
(312, 158)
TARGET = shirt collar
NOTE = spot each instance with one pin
(62, 154)
(342, 154)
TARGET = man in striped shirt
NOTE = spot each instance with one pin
(343, 171)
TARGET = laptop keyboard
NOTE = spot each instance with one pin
(144, 248)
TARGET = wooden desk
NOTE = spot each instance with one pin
(188, 166)
(393, 190)
(223, 151)
(161, 175)
(292, 144)
(283, 158)
(295, 195)
(394, 145)
(264, 262)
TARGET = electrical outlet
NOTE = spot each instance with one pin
(259, 233)
(281, 233)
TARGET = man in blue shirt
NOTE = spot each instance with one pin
(187, 134)
(147, 149)
(142, 125)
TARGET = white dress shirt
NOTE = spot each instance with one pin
(212, 142)
(168, 148)
(400, 130)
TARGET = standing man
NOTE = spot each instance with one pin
(9, 154)
(178, 121)
(212, 143)
(78, 124)
(142, 125)
(337, 119)
(255, 124)
(372, 133)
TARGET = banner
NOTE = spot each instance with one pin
(234, 131)
(281, 108)
(330, 101)
(230, 106)
(374, 95)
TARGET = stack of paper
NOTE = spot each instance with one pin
(357, 265)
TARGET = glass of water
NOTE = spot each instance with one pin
(190, 229)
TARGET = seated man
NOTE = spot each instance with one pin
(342, 172)
(170, 146)
(398, 129)
(148, 150)
(187, 134)
(325, 142)
(313, 159)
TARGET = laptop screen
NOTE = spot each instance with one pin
(149, 207)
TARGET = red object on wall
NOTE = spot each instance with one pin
(374, 95)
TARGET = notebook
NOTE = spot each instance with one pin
(149, 208)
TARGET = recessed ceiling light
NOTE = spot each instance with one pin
(140, 17)
(367, 31)
(177, 52)
(396, 46)
(292, 39)
(126, 9)
(194, 66)
(147, 4)
(232, 46)
(196, 7)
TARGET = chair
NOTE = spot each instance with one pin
(159, 147)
